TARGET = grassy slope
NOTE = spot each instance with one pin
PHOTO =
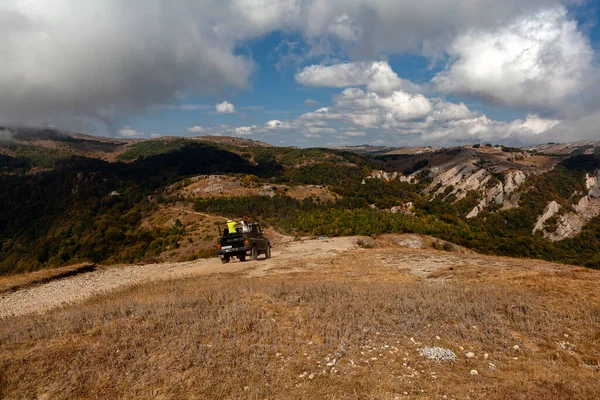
(235, 336)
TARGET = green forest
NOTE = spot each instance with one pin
(58, 208)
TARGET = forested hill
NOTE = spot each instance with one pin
(69, 198)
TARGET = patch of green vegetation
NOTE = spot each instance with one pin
(293, 157)
(467, 203)
(28, 156)
(152, 148)
(507, 149)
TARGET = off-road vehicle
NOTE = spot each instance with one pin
(240, 245)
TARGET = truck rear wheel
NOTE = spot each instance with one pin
(268, 251)
(225, 259)
(254, 253)
(242, 257)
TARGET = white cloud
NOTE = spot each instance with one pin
(538, 125)
(368, 28)
(537, 61)
(436, 127)
(377, 76)
(482, 128)
(129, 132)
(355, 133)
(345, 28)
(320, 114)
(187, 107)
(225, 108)
(244, 130)
(196, 129)
(415, 120)
(372, 110)
(446, 111)
(311, 103)
(277, 124)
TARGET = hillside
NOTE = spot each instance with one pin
(351, 317)
(71, 198)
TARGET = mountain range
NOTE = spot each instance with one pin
(69, 197)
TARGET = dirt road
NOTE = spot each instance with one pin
(408, 254)
(77, 288)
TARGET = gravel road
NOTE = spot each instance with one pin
(80, 287)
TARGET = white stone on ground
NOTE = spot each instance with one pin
(437, 354)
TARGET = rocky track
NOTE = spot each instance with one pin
(398, 253)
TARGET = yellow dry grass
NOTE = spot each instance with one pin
(340, 328)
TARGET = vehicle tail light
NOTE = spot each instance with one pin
(218, 247)
(246, 242)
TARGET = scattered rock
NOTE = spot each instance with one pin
(437, 354)
(516, 347)
(470, 355)
(311, 376)
(486, 356)
(492, 366)
(473, 372)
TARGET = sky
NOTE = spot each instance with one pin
(305, 73)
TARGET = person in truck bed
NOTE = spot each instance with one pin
(245, 224)
(231, 227)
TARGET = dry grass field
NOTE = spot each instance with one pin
(323, 324)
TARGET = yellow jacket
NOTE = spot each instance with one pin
(231, 226)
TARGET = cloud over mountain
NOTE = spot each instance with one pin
(537, 61)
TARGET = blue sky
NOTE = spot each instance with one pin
(306, 73)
